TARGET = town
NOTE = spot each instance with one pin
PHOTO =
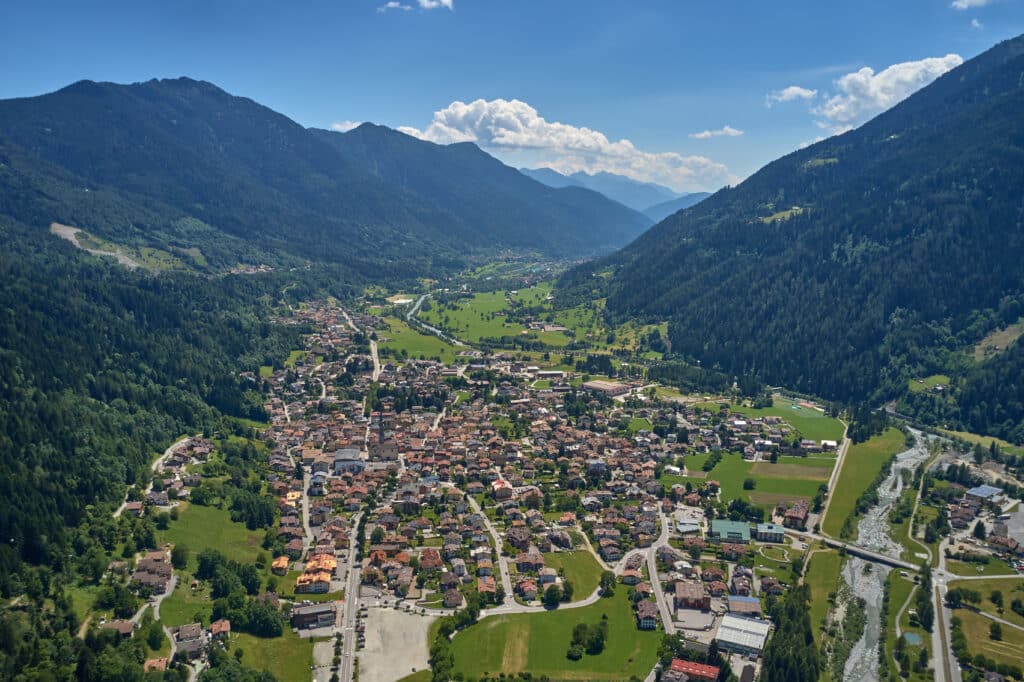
(414, 500)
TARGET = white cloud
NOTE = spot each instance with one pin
(977, 25)
(793, 92)
(725, 131)
(345, 126)
(864, 93)
(511, 126)
(968, 4)
(393, 5)
(434, 4)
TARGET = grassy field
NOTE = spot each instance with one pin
(184, 605)
(400, 336)
(928, 383)
(822, 578)
(811, 423)
(1012, 588)
(985, 441)
(774, 483)
(997, 341)
(580, 568)
(210, 528)
(993, 567)
(294, 357)
(900, 588)
(288, 657)
(537, 643)
(82, 599)
(975, 627)
(862, 464)
(473, 318)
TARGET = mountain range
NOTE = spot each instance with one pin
(181, 164)
(850, 267)
(638, 195)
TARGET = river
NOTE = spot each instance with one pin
(873, 533)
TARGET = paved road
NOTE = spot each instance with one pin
(506, 582)
(350, 608)
(947, 669)
(305, 509)
(652, 571)
(157, 466)
(844, 447)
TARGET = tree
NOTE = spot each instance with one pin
(567, 590)
(997, 598)
(607, 584)
(749, 484)
(155, 636)
(377, 536)
(995, 631)
(979, 530)
(552, 596)
(179, 556)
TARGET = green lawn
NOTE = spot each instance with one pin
(401, 337)
(862, 464)
(288, 657)
(202, 528)
(537, 643)
(790, 478)
(294, 357)
(976, 630)
(811, 423)
(266, 371)
(774, 483)
(473, 318)
(640, 424)
(82, 599)
(822, 578)
(184, 605)
(1012, 588)
(580, 568)
(993, 567)
(928, 383)
(985, 441)
(899, 589)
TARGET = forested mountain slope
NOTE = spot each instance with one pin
(659, 212)
(487, 200)
(848, 267)
(100, 368)
(207, 167)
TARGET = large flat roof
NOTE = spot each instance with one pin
(745, 632)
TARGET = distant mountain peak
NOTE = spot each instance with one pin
(636, 194)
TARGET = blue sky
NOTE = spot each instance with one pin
(559, 82)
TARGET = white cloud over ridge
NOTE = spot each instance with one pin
(512, 126)
(968, 4)
(864, 93)
(725, 131)
(345, 126)
(793, 92)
